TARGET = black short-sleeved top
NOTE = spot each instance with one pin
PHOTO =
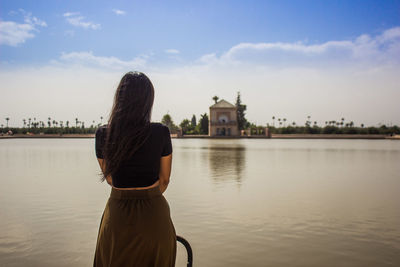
(143, 167)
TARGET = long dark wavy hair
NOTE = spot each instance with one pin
(129, 123)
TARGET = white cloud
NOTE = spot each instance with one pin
(383, 48)
(172, 51)
(208, 58)
(119, 11)
(390, 34)
(89, 59)
(75, 19)
(70, 14)
(294, 47)
(13, 33)
(28, 18)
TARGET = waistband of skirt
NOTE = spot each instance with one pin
(135, 194)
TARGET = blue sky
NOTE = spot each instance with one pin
(192, 27)
(282, 50)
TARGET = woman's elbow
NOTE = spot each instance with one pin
(164, 180)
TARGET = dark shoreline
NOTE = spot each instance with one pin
(304, 136)
(274, 136)
(47, 136)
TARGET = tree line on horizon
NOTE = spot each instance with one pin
(189, 127)
(52, 126)
(200, 127)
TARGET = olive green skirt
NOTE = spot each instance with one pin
(136, 230)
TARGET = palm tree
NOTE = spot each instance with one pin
(7, 119)
(76, 122)
(273, 121)
(215, 98)
(24, 122)
(362, 125)
(101, 119)
(284, 122)
(29, 122)
(67, 123)
(342, 119)
(279, 120)
(308, 122)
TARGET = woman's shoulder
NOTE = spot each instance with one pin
(156, 127)
(159, 127)
(101, 130)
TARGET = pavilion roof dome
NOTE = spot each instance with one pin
(223, 104)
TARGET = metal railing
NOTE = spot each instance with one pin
(188, 249)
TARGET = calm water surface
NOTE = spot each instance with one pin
(238, 202)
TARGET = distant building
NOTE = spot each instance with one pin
(223, 119)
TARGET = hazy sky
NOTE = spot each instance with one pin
(289, 59)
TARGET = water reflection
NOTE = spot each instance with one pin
(250, 202)
(227, 162)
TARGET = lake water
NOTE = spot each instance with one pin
(239, 202)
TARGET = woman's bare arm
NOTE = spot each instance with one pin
(102, 166)
(165, 172)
